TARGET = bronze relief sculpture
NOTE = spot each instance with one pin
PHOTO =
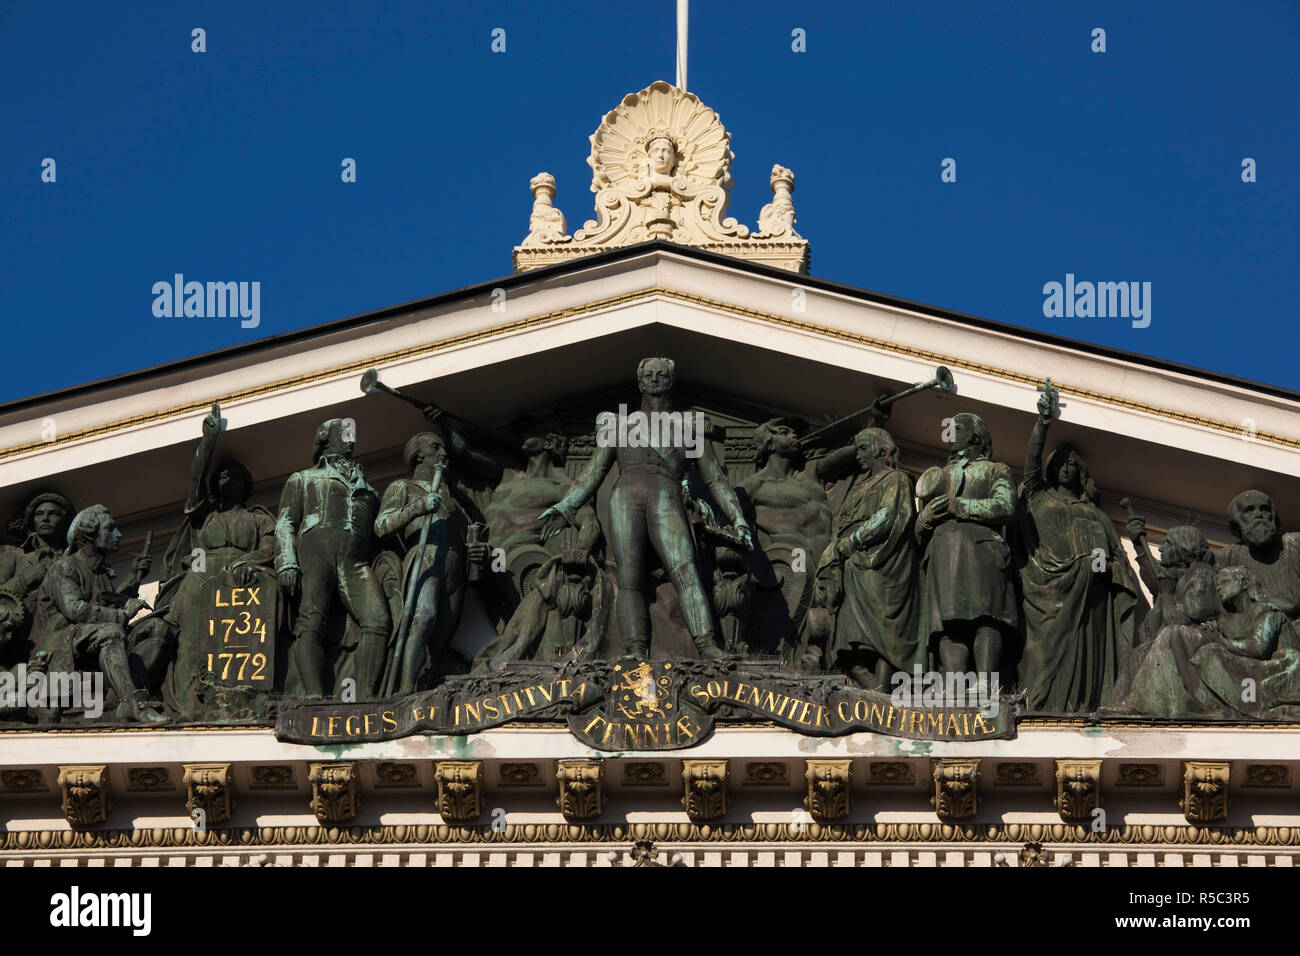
(792, 521)
(968, 599)
(42, 527)
(870, 568)
(81, 616)
(1077, 589)
(1271, 556)
(648, 517)
(1236, 657)
(514, 526)
(551, 599)
(799, 593)
(221, 541)
(323, 538)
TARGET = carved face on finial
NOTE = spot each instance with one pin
(663, 155)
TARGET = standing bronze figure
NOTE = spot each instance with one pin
(430, 526)
(792, 521)
(323, 540)
(870, 568)
(647, 515)
(968, 596)
(1079, 592)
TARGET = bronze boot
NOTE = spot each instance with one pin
(708, 648)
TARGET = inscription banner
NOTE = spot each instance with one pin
(460, 706)
(853, 710)
(641, 705)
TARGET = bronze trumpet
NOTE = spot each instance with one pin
(879, 409)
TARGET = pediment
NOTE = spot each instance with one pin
(1175, 442)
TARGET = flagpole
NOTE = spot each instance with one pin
(683, 22)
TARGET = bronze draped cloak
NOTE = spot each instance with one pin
(880, 604)
(1078, 621)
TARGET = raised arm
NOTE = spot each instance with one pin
(471, 459)
(198, 497)
(838, 464)
(467, 457)
(1037, 440)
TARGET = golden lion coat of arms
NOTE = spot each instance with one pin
(643, 692)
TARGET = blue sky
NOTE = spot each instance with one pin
(225, 165)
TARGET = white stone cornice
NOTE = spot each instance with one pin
(1158, 435)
